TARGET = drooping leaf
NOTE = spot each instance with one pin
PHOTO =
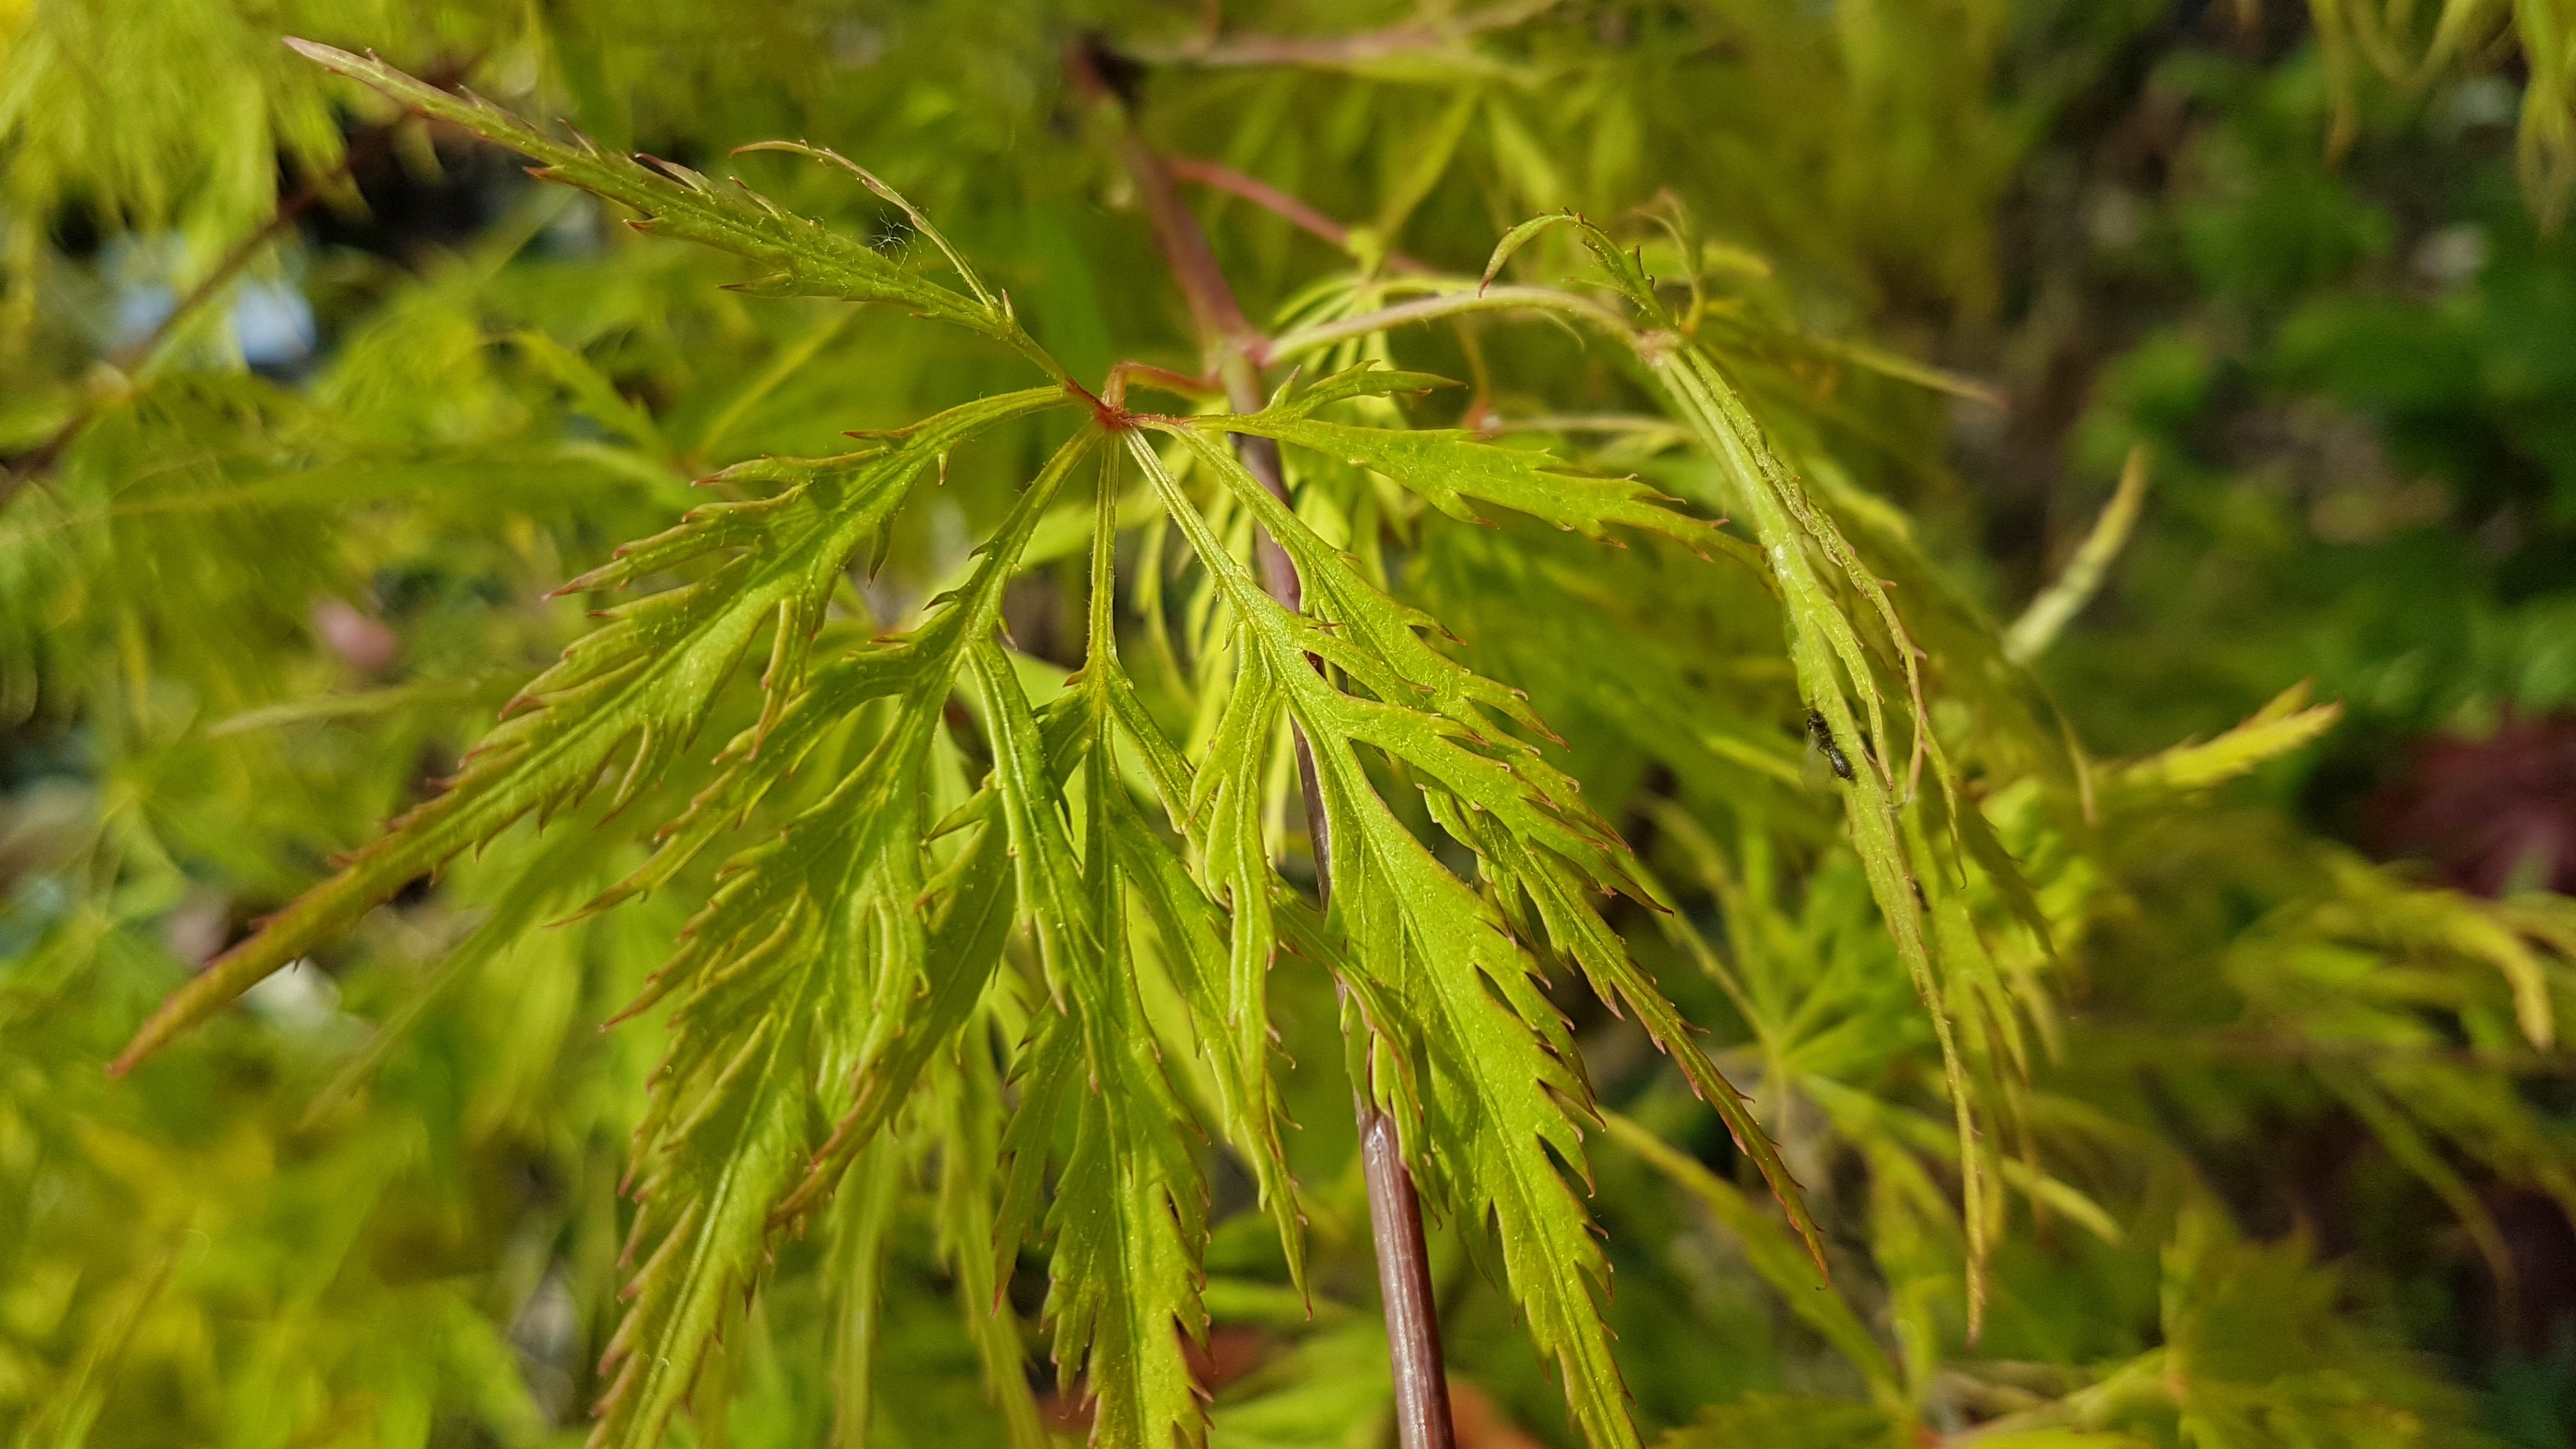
(1479, 1062)
(1129, 1213)
(800, 987)
(646, 680)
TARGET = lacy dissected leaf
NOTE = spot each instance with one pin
(1505, 802)
(642, 682)
(810, 260)
(1791, 528)
(1494, 1082)
(1568, 919)
(719, 1167)
(807, 982)
(1477, 1061)
(1834, 670)
(967, 1110)
(1221, 961)
(1219, 957)
(1129, 1214)
(1129, 1228)
(1451, 466)
(1429, 709)
(768, 752)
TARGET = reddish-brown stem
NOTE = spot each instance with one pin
(1404, 1280)
(1233, 350)
(1179, 384)
(1279, 203)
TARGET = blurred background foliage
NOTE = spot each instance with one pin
(309, 407)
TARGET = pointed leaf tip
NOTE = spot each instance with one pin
(1517, 238)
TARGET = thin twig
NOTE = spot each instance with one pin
(1234, 354)
(1280, 204)
(1122, 374)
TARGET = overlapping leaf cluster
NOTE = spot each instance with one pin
(955, 956)
(833, 964)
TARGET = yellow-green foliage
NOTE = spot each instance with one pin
(921, 812)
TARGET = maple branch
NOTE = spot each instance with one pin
(1234, 353)
(1279, 203)
(1162, 379)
